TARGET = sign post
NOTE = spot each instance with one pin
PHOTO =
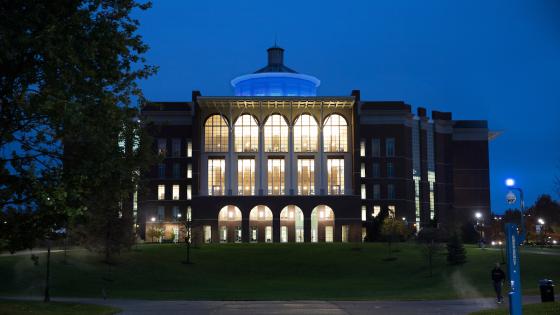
(513, 268)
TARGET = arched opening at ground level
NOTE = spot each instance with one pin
(229, 224)
(291, 225)
(260, 225)
(322, 224)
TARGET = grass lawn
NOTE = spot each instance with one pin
(269, 272)
(10, 307)
(529, 309)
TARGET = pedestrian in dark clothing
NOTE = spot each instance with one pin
(498, 277)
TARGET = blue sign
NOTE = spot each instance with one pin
(513, 239)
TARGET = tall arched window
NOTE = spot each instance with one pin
(335, 134)
(246, 134)
(305, 134)
(276, 134)
(216, 134)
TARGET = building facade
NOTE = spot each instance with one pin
(277, 163)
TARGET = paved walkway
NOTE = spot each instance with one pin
(145, 307)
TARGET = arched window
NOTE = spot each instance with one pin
(246, 134)
(216, 134)
(276, 134)
(335, 134)
(305, 134)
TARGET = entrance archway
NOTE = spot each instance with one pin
(291, 225)
(229, 224)
(322, 224)
(260, 224)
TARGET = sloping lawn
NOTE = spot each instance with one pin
(10, 307)
(269, 272)
(529, 309)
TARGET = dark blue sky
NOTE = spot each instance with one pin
(494, 60)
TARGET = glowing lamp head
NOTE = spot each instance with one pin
(153, 219)
(541, 221)
(510, 182)
(478, 215)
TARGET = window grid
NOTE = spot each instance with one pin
(306, 177)
(335, 168)
(216, 134)
(246, 134)
(375, 147)
(161, 192)
(246, 177)
(390, 147)
(362, 148)
(175, 147)
(175, 192)
(216, 180)
(276, 134)
(305, 134)
(335, 134)
(276, 177)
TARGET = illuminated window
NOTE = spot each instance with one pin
(306, 177)
(189, 192)
(276, 176)
(363, 170)
(305, 134)
(216, 134)
(376, 211)
(362, 148)
(246, 177)
(189, 148)
(216, 179)
(189, 214)
(175, 192)
(392, 211)
(335, 169)
(189, 170)
(246, 134)
(161, 192)
(276, 134)
(363, 191)
(335, 134)
(390, 147)
(364, 213)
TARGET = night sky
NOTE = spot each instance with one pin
(493, 60)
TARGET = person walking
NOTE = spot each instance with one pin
(498, 277)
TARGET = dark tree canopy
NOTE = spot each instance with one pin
(68, 95)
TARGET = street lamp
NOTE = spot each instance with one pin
(478, 216)
(153, 219)
(513, 240)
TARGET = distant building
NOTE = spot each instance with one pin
(277, 163)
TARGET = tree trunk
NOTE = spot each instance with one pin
(47, 297)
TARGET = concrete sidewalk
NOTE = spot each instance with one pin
(145, 307)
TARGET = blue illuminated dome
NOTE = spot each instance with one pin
(275, 79)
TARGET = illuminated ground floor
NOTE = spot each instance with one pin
(266, 219)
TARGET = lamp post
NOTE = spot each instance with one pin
(478, 216)
(513, 240)
(541, 232)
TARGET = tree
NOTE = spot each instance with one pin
(456, 254)
(392, 230)
(68, 80)
(430, 242)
